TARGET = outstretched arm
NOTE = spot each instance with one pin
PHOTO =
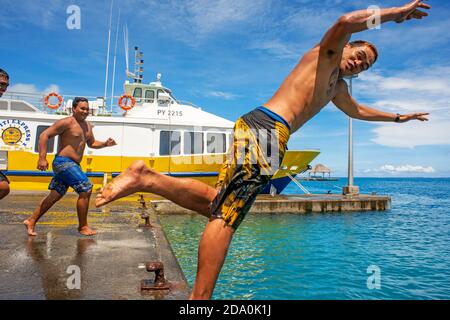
(95, 144)
(344, 101)
(339, 34)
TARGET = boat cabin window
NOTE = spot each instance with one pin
(149, 96)
(216, 142)
(169, 143)
(50, 142)
(163, 102)
(21, 106)
(193, 142)
(137, 94)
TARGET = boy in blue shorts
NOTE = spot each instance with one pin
(74, 133)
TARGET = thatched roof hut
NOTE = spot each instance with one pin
(320, 168)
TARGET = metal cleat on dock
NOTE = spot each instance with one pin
(144, 215)
(160, 282)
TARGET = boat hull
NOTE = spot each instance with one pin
(99, 169)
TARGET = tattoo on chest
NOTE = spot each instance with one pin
(333, 80)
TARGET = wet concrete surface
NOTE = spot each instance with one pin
(61, 264)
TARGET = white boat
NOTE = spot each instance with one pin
(175, 138)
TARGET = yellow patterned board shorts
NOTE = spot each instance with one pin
(259, 144)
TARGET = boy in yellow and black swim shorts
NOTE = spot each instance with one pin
(259, 143)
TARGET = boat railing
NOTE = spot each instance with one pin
(188, 103)
(35, 102)
(18, 101)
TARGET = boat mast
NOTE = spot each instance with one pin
(107, 57)
(138, 65)
(137, 75)
(115, 59)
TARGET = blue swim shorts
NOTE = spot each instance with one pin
(67, 173)
(3, 177)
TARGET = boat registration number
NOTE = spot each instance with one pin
(170, 113)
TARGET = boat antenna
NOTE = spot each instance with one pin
(125, 41)
(115, 59)
(137, 75)
(109, 45)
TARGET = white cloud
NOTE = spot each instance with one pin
(407, 168)
(277, 48)
(39, 14)
(190, 21)
(424, 84)
(430, 35)
(311, 21)
(32, 89)
(414, 90)
(294, 28)
(223, 95)
(414, 82)
(413, 134)
(211, 15)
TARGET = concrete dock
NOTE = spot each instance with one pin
(62, 264)
(297, 204)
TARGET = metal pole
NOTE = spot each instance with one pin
(350, 142)
(350, 189)
(114, 66)
(107, 57)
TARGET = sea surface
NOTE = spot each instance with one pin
(403, 253)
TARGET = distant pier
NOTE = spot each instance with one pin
(300, 204)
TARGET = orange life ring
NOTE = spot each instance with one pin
(53, 106)
(125, 106)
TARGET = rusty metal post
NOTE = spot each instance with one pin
(160, 282)
(144, 215)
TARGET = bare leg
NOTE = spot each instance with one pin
(82, 211)
(212, 251)
(4, 189)
(188, 193)
(42, 208)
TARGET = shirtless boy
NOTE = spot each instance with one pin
(315, 81)
(74, 133)
(4, 182)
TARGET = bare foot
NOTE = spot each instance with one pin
(30, 227)
(125, 184)
(86, 231)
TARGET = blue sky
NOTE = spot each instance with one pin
(229, 56)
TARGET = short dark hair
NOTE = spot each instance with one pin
(77, 100)
(4, 74)
(365, 43)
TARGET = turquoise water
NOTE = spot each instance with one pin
(327, 256)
